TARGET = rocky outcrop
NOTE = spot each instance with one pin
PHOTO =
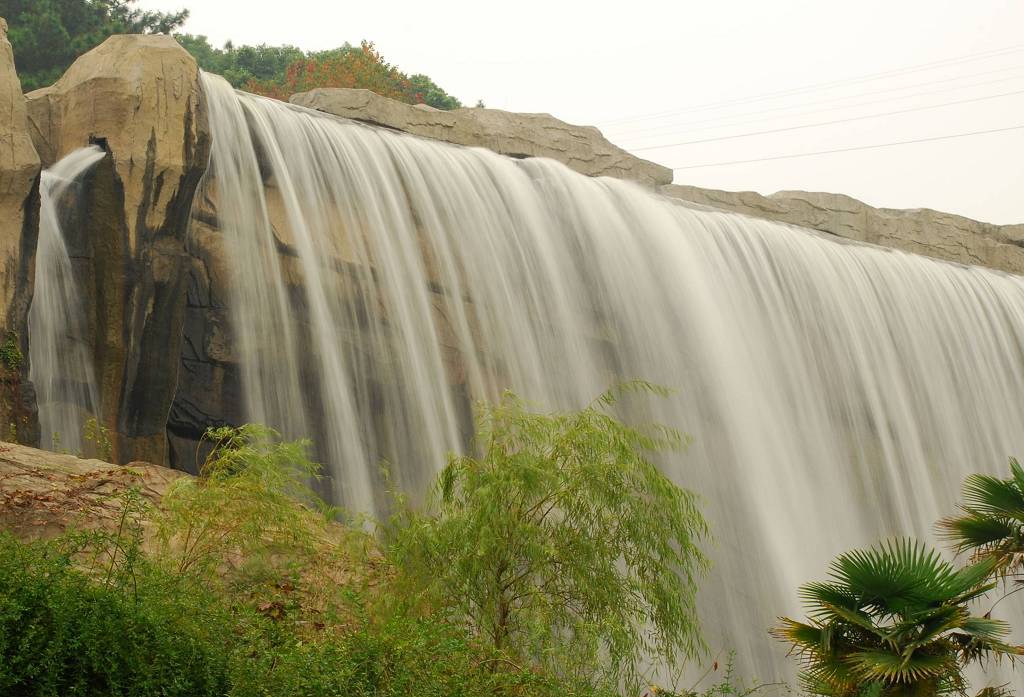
(139, 98)
(19, 228)
(581, 148)
(42, 494)
(921, 231)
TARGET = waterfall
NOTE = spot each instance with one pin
(60, 357)
(835, 393)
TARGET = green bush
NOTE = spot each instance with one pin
(230, 587)
(64, 633)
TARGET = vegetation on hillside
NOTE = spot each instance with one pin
(240, 583)
(47, 36)
(281, 71)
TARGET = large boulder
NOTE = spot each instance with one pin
(581, 148)
(19, 221)
(139, 98)
(921, 231)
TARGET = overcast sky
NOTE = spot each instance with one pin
(646, 72)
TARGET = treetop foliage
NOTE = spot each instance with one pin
(281, 71)
(48, 35)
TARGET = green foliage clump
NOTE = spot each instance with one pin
(894, 621)
(48, 35)
(252, 497)
(235, 584)
(10, 351)
(242, 64)
(561, 546)
(281, 71)
(99, 436)
(132, 631)
(991, 521)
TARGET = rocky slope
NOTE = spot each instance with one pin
(42, 494)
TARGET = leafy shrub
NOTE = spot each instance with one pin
(230, 587)
(11, 356)
(64, 633)
(561, 546)
(360, 67)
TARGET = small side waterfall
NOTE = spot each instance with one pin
(60, 358)
(835, 393)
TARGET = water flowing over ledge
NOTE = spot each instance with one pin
(61, 364)
(835, 393)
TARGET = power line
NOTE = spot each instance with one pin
(826, 85)
(827, 123)
(859, 147)
(717, 120)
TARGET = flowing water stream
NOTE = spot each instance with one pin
(835, 393)
(60, 356)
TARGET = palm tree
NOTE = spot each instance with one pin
(991, 524)
(893, 622)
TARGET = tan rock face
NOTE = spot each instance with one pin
(921, 231)
(19, 226)
(139, 98)
(42, 494)
(581, 148)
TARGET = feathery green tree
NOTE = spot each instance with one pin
(561, 545)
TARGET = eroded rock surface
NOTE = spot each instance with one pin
(581, 148)
(139, 98)
(42, 494)
(921, 231)
(19, 229)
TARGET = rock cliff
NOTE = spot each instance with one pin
(19, 221)
(139, 98)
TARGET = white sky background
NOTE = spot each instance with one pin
(609, 63)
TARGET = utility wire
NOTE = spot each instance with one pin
(716, 121)
(827, 85)
(827, 123)
(859, 147)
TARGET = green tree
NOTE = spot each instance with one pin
(48, 35)
(991, 520)
(243, 64)
(894, 621)
(561, 545)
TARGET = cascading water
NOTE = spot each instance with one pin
(60, 358)
(835, 393)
